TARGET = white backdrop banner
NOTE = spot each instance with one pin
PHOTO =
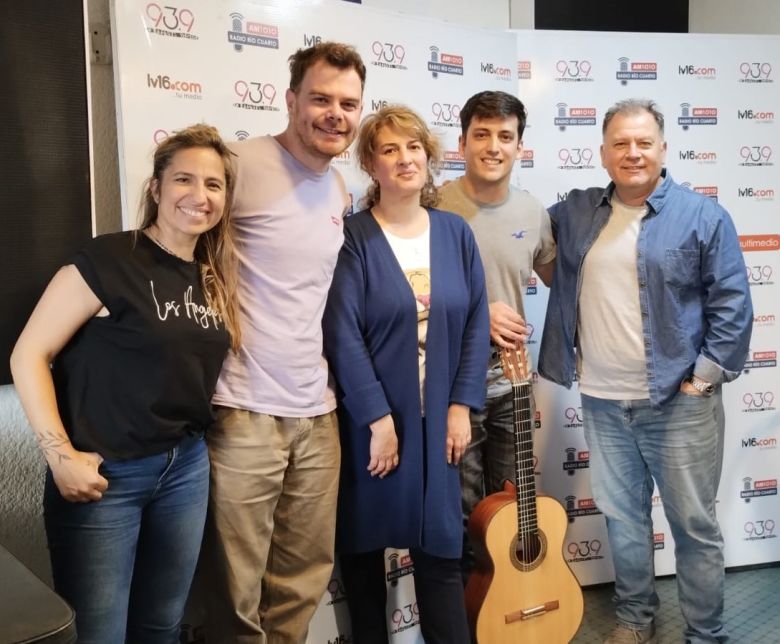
(718, 95)
(225, 63)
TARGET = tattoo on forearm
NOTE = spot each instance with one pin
(51, 445)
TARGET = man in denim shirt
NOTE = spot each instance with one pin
(650, 288)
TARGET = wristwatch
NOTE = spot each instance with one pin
(702, 386)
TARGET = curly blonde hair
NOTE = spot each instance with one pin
(409, 122)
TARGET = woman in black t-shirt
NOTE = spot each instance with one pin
(136, 327)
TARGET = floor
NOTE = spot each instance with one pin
(752, 609)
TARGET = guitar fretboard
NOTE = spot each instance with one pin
(525, 483)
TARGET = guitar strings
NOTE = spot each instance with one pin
(525, 481)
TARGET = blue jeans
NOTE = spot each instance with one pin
(125, 563)
(681, 447)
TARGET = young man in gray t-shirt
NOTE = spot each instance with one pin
(514, 237)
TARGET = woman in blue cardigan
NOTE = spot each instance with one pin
(406, 336)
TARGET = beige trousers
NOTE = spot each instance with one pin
(268, 548)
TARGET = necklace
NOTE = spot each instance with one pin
(166, 249)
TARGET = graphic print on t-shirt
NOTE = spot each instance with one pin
(420, 281)
(198, 312)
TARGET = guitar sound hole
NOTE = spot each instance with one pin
(528, 550)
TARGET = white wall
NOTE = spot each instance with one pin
(734, 16)
(21, 468)
(106, 165)
(493, 14)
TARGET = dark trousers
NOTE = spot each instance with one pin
(437, 585)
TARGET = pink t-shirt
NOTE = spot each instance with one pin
(288, 222)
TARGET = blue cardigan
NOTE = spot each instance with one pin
(370, 327)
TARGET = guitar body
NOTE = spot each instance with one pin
(524, 600)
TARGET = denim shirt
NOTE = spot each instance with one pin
(694, 295)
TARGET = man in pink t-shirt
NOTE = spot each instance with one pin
(274, 450)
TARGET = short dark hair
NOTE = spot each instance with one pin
(335, 54)
(634, 106)
(489, 104)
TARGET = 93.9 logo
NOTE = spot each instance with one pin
(755, 155)
(446, 114)
(755, 72)
(758, 399)
(764, 529)
(575, 157)
(759, 273)
(573, 70)
(254, 95)
(405, 616)
(587, 549)
(170, 18)
(387, 54)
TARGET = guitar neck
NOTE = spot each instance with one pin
(525, 482)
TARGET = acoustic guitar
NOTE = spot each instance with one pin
(521, 590)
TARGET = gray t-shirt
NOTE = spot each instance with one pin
(611, 361)
(511, 236)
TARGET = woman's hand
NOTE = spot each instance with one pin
(76, 475)
(384, 447)
(458, 432)
(65, 306)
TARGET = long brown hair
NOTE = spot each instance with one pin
(215, 250)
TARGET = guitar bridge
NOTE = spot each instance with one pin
(528, 613)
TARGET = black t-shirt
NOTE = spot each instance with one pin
(134, 383)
